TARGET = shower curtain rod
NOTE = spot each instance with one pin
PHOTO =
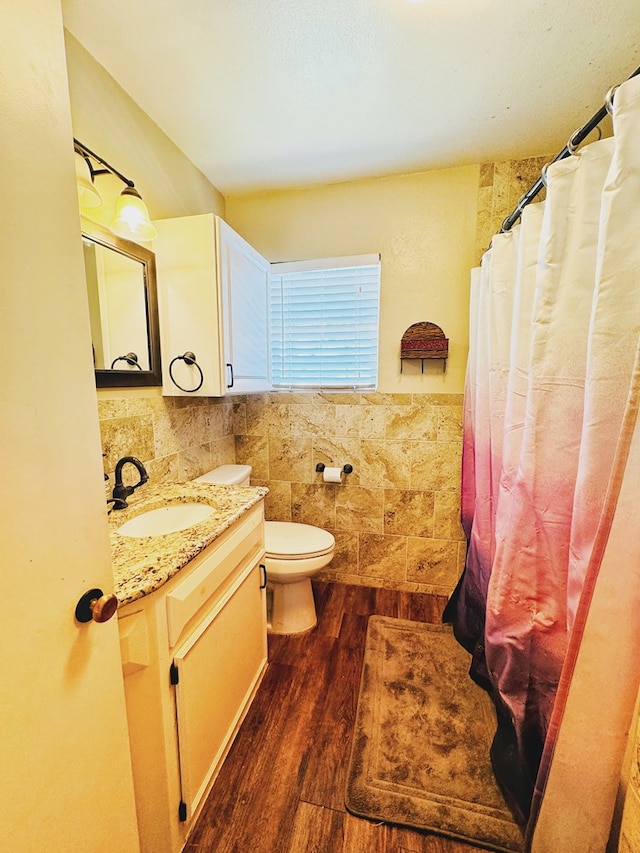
(574, 140)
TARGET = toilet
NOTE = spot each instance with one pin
(294, 554)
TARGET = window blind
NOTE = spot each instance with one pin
(324, 323)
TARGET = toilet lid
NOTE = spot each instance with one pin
(287, 540)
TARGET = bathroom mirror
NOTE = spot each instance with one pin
(123, 309)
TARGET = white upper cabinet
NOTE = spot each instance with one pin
(244, 285)
(213, 304)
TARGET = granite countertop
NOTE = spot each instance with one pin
(143, 564)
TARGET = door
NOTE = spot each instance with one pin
(219, 666)
(189, 307)
(244, 287)
(65, 771)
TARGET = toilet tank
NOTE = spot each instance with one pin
(230, 475)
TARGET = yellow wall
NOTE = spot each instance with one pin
(423, 225)
(396, 519)
(111, 124)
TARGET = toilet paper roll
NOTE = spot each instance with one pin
(332, 475)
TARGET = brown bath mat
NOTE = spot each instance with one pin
(420, 754)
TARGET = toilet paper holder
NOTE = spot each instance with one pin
(347, 469)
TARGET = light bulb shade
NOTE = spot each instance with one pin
(88, 195)
(131, 219)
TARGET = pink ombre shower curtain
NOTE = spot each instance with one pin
(543, 468)
(525, 636)
(485, 399)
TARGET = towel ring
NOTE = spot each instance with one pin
(188, 358)
(131, 358)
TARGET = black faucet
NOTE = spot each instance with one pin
(120, 491)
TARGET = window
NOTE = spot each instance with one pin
(324, 323)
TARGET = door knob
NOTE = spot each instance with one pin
(95, 605)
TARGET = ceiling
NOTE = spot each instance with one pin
(264, 94)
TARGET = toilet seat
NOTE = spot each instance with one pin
(285, 540)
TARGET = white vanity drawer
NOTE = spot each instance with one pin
(213, 570)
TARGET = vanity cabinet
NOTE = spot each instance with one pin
(213, 302)
(193, 654)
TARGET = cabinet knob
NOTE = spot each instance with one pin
(96, 605)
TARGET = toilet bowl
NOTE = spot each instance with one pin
(294, 554)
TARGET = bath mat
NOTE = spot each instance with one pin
(420, 754)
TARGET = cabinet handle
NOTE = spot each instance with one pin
(95, 605)
(230, 366)
(263, 582)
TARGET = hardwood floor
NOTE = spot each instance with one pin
(281, 788)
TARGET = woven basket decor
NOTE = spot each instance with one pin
(424, 340)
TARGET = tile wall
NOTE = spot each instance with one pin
(396, 517)
(176, 438)
(501, 186)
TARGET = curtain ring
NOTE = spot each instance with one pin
(516, 213)
(608, 101)
(572, 146)
(522, 203)
(543, 174)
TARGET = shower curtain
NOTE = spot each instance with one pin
(549, 417)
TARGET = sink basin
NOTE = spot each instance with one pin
(166, 519)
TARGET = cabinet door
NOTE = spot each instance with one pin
(219, 668)
(189, 306)
(243, 276)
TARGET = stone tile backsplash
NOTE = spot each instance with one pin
(500, 188)
(177, 439)
(396, 517)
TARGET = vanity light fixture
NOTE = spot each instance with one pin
(88, 195)
(131, 219)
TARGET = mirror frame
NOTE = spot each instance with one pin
(129, 378)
